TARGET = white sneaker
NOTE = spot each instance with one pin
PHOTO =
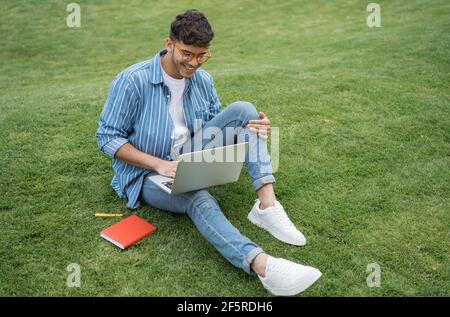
(286, 278)
(275, 220)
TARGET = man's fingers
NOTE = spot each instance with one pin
(175, 169)
(263, 133)
(258, 126)
(263, 136)
(263, 130)
(260, 129)
(262, 121)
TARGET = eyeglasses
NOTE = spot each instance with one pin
(189, 56)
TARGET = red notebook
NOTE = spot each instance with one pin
(127, 231)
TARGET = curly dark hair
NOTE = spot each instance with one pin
(192, 28)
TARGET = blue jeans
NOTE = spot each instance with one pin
(201, 206)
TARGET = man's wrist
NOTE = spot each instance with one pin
(154, 163)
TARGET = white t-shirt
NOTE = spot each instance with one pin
(176, 87)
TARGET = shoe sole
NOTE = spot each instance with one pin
(258, 223)
(309, 280)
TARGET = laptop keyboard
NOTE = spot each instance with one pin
(168, 184)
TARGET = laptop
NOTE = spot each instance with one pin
(203, 169)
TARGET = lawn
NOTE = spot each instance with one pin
(364, 119)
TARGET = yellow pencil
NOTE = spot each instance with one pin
(108, 215)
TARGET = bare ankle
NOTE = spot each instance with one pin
(266, 196)
(264, 205)
(259, 264)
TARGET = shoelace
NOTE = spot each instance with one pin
(278, 266)
(282, 216)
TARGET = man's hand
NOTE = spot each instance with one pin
(166, 168)
(261, 127)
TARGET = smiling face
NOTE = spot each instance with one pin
(181, 60)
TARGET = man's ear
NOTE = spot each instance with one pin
(169, 45)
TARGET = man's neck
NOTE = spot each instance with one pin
(169, 68)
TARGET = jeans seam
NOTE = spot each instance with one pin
(219, 235)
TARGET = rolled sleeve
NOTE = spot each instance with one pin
(110, 148)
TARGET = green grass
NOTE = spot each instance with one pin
(364, 117)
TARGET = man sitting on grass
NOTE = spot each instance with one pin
(151, 116)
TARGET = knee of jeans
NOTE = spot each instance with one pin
(244, 110)
(203, 200)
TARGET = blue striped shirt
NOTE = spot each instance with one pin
(137, 111)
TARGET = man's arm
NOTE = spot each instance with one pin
(118, 116)
(116, 120)
(130, 155)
